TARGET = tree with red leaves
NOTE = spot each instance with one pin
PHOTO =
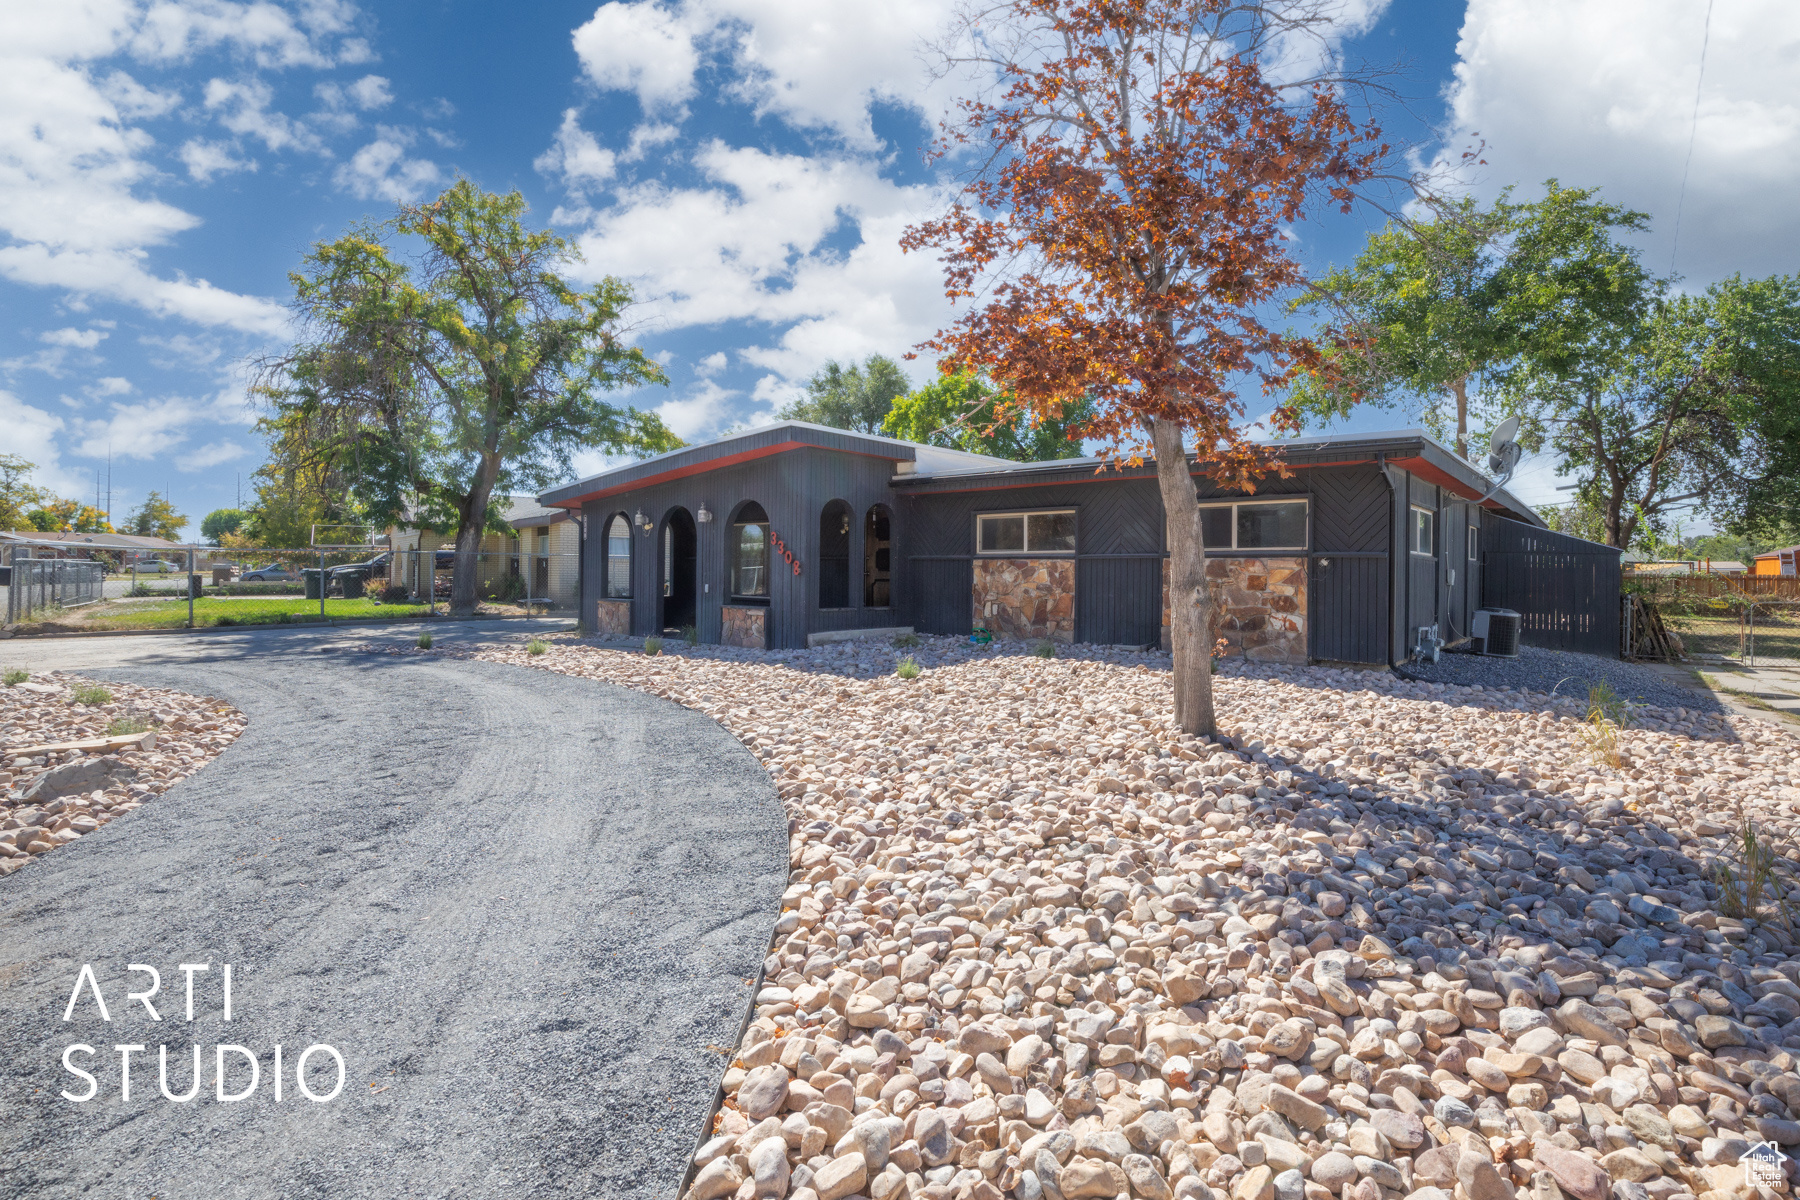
(1142, 158)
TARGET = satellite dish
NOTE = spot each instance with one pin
(1503, 451)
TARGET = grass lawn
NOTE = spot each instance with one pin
(247, 611)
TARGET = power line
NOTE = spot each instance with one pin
(1693, 129)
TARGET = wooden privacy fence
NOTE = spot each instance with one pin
(1668, 588)
(1565, 590)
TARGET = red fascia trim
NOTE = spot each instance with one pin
(1443, 479)
(1099, 476)
(700, 468)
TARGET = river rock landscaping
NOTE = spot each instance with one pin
(1387, 939)
(75, 754)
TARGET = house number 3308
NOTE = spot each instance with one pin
(787, 555)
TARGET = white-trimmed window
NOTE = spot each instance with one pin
(1049, 531)
(1254, 524)
(1474, 547)
(618, 558)
(1424, 529)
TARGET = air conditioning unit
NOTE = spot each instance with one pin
(1427, 645)
(1496, 631)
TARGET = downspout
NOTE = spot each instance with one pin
(1394, 476)
(581, 596)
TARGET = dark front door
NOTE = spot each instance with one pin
(680, 555)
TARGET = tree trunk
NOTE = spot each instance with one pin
(471, 521)
(1190, 602)
(1459, 387)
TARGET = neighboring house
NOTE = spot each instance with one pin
(124, 548)
(792, 533)
(1778, 562)
(540, 558)
(1722, 566)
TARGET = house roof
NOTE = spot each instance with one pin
(932, 468)
(103, 541)
(1412, 450)
(1777, 553)
(756, 443)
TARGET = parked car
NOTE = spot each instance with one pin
(273, 573)
(157, 566)
(375, 567)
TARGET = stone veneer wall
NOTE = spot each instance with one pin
(1259, 607)
(612, 616)
(1026, 597)
(746, 627)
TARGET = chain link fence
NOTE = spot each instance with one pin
(37, 587)
(212, 587)
(1722, 617)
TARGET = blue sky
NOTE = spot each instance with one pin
(748, 164)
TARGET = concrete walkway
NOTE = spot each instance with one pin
(521, 906)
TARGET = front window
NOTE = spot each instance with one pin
(750, 552)
(618, 558)
(1424, 523)
(1254, 525)
(1048, 532)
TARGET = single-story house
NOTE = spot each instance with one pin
(123, 548)
(538, 559)
(1778, 562)
(793, 533)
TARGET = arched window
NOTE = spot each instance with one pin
(834, 555)
(618, 557)
(878, 574)
(749, 550)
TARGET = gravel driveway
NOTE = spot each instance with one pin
(521, 907)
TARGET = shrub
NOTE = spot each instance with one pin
(17, 677)
(394, 595)
(1754, 882)
(690, 634)
(123, 726)
(425, 640)
(1045, 649)
(908, 668)
(225, 621)
(653, 645)
(1607, 714)
(907, 641)
(537, 646)
(92, 695)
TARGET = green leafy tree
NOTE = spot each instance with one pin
(966, 412)
(222, 522)
(156, 517)
(67, 516)
(1699, 408)
(1434, 308)
(851, 397)
(432, 387)
(1576, 519)
(18, 496)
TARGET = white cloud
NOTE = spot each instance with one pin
(134, 100)
(151, 428)
(111, 385)
(210, 455)
(368, 93)
(701, 414)
(382, 170)
(205, 159)
(1603, 93)
(576, 156)
(82, 339)
(758, 244)
(75, 211)
(647, 137)
(640, 47)
(31, 434)
(712, 364)
(243, 107)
